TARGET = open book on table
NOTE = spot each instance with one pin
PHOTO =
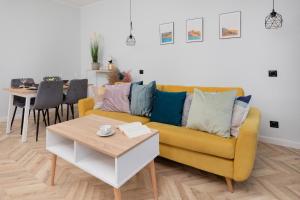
(134, 129)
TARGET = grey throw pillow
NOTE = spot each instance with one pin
(142, 98)
(186, 109)
(212, 112)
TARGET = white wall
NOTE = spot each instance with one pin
(37, 38)
(234, 62)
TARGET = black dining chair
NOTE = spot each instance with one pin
(52, 78)
(78, 89)
(19, 102)
(49, 95)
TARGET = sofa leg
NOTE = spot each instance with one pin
(229, 184)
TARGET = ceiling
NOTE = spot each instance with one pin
(79, 2)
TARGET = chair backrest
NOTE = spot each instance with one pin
(52, 78)
(49, 95)
(15, 83)
(78, 90)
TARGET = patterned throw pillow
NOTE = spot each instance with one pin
(212, 112)
(115, 98)
(142, 99)
(186, 108)
(240, 112)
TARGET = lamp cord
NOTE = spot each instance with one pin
(273, 4)
(130, 18)
(130, 8)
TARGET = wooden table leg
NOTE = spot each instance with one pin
(9, 112)
(117, 193)
(153, 179)
(53, 167)
(25, 127)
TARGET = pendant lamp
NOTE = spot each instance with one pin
(273, 20)
(130, 39)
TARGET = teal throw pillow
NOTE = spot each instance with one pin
(168, 107)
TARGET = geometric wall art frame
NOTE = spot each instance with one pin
(166, 33)
(230, 25)
(194, 30)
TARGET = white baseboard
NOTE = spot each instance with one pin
(281, 142)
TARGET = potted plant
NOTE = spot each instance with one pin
(95, 52)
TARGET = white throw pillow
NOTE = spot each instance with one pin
(240, 112)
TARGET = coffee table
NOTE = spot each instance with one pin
(114, 159)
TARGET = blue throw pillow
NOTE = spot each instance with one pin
(132, 84)
(168, 107)
(142, 98)
(245, 99)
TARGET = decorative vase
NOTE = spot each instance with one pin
(95, 66)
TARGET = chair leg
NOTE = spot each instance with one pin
(22, 122)
(72, 110)
(62, 109)
(67, 112)
(57, 115)
(13, 118)
(34, 117)
(37, 126)
(48, 119)
(44, 117)
(229, 184)
(55, 119)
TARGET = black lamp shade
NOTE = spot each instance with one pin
(130, 40)
(273, 21)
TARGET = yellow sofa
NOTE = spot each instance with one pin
(232, 158)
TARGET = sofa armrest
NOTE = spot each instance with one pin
(85, 105)
(245, 150)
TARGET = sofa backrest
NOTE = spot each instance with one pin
(190, 89)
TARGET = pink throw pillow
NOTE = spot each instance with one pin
(115, 98)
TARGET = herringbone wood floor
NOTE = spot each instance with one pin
(24, 174)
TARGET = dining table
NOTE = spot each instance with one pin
(28, 94)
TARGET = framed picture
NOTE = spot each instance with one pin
(230, 25)
(166, 33)
(194, 30)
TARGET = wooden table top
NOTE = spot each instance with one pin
(20, 91)
(84, 130)
(25, 91)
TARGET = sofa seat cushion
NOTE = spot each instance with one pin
(194, 140)
(125, 117)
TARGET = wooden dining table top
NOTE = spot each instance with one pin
(26, 91)
(29, 91)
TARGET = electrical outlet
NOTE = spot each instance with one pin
(273, 73)
(141, 71)
(274, 124)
